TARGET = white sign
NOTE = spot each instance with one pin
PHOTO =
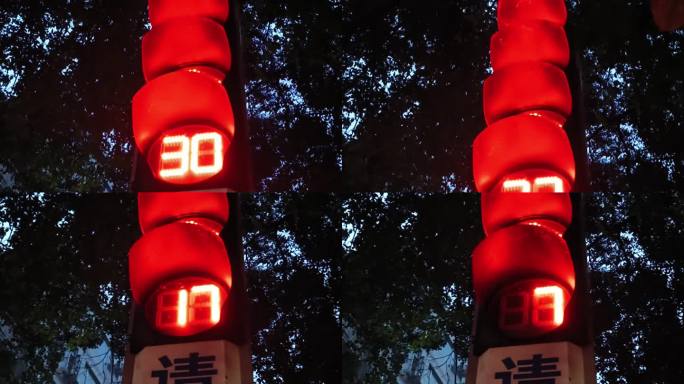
(207, 362)
(552, 363)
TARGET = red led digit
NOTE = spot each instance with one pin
(205, 304)
(549, 184)
(517, 185)
(206, 153)
(174, 156)
(548, 306)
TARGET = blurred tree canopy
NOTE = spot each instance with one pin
(407, 287)
(64, 281)
(366, 96)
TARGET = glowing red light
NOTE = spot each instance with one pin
(188, 155)
(206, 153)
(205, 306)
(531, 308)
(531, 142)
(187, 306)
(552, 184)
(526, 86)
(158, 208)
(549, 306)
(174, 157)
(517, 185)
(550, 210)
(201, 154)
(549, 184)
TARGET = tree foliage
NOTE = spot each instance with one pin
(63, 280)
(407, 279)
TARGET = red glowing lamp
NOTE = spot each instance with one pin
(182, 248)
(526, 86)
(185, 42)
(522, 142)
(188, 155)
(187, 306)
(519, 252)
(552, 210)
(517, 11)
(159, 208)
(532, 307)
(181, 98)
(162, 11)
(529, 41)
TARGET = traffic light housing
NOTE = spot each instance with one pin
(189, 119)
(530, 285)
(186, 271)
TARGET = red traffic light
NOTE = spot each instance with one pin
(182, 248)
(186, 306)
(159, 208)
(529, 41)
(500, 209)
(185, 42)
(526, 141)
(517, 11)
(533, 85)
(162, 11)
(180, 98)
(520, 252)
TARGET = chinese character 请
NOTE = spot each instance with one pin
(537, 370)
(194, 369)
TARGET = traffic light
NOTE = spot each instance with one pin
(186, 276)
(525, 276)
(183, 276)
(189, 121)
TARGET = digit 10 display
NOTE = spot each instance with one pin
(532, 308)
(186, 307)
(188, 155)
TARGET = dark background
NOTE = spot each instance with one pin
(380, 95)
